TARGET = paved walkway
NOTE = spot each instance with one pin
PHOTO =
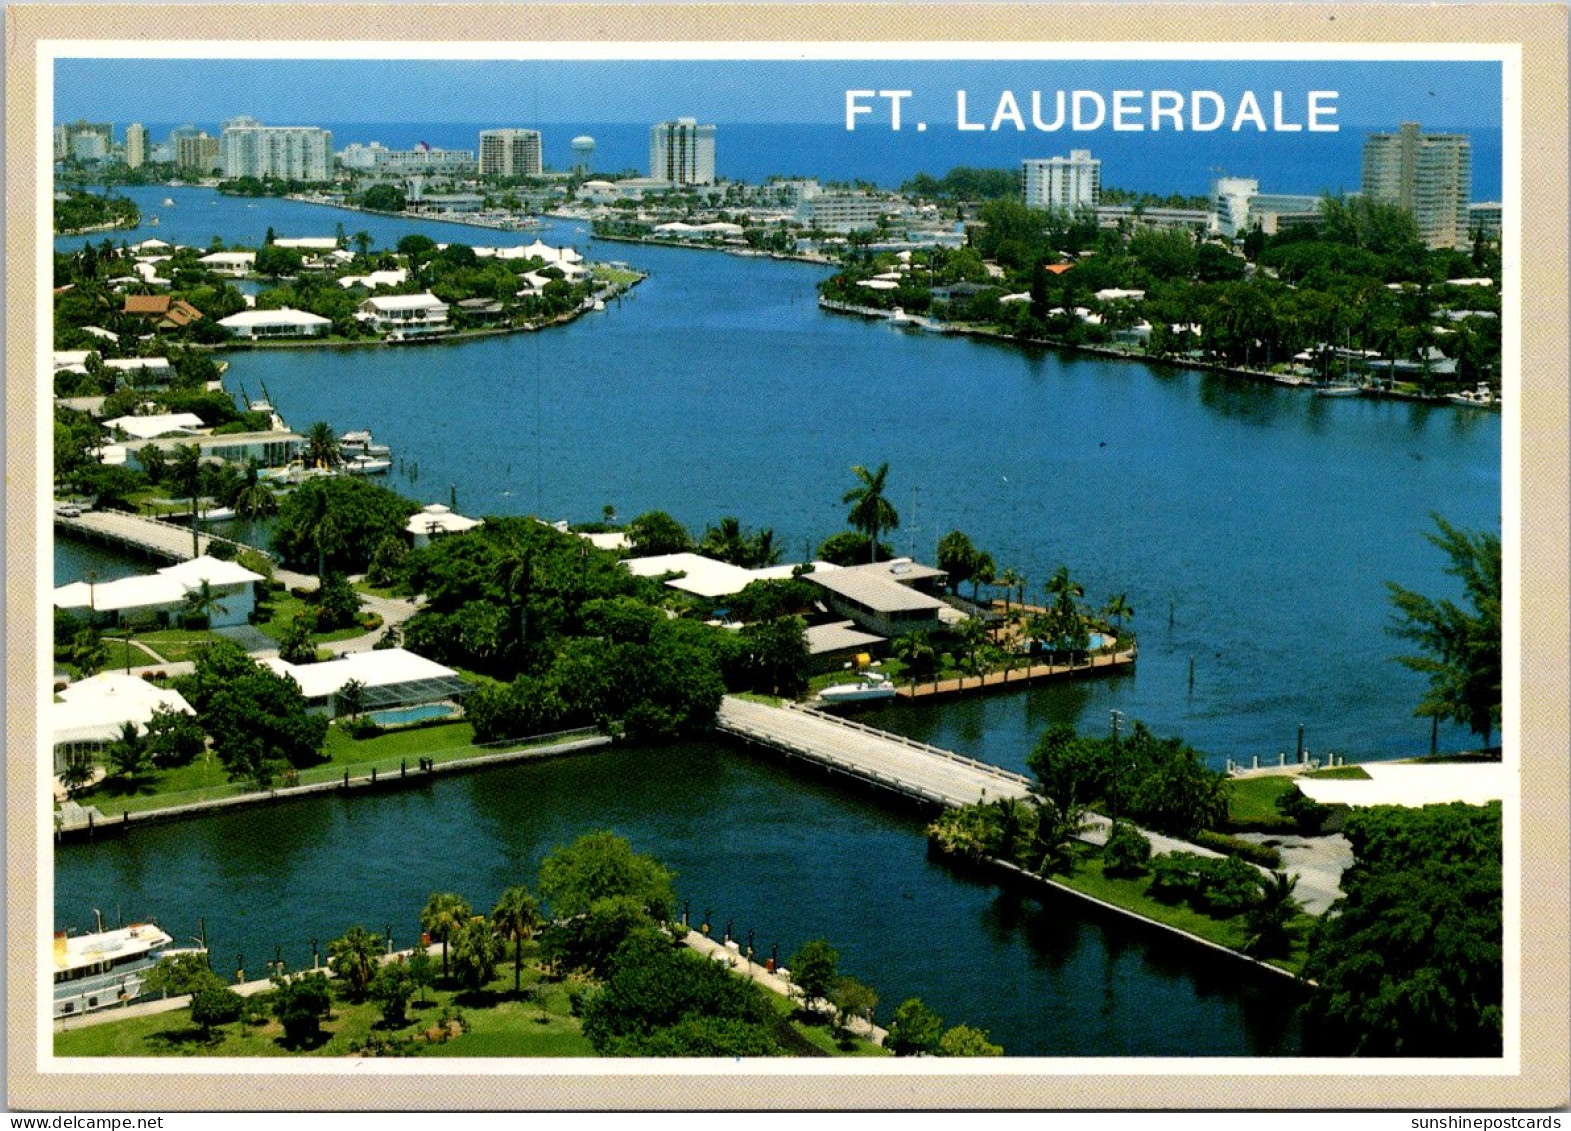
(779, 982)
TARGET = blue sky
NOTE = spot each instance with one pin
(305, 92)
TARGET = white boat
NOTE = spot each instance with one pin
(872, 685)
(106, 968)
(363, 443)
(367, 465)
(1338, 390)
(1481, 397)
(168, 202)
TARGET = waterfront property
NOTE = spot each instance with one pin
(388, 677)
(840, 644)
(268, 449)
(91, 713)
(435, 520)
(406, 315)
(702, 576)
(280, 323)
(160, 597)
(890, 598)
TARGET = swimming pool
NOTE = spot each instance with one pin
(393, 716)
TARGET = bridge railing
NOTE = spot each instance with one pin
(937, 751)
(864, 773)
(175, 526)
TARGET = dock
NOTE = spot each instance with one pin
(1113, 663)
(152, 537)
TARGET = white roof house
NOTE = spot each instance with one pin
(308, 243)
(100, 332)
(608, 540)
(148, 427)
(881, 599)
(93, 710)
(1111, 294)
(230, 262)
(705, 577)
(152, 366)
(151, 245)
(389, 676)
(70, 359)
(280, 323)
(879, 284)
(165, 591)
(407, 314)
(436, 519)
(375, 279)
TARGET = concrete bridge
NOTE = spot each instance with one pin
(154, 537)
(903, 765)
(936, 776)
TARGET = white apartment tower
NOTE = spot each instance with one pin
(1428, 175)
(1062, 183)
(510, 153)
(299, 153)
(135, 145)
(1231, 201)
(682, 152)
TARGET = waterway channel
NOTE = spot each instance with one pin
(1252, 528)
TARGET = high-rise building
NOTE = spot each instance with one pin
(1230, 201)
(68, 143)
(197, 154)
(1428, 175)
(135, 145)
(296, 153)
(583, 154)
(1062, 182)
(510, 153)
(682, 152)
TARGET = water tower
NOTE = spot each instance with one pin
(583, 153)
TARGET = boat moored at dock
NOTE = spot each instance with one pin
(107, 968)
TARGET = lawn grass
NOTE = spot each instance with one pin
(498, 1022)
(1342, 773)
(1130, 894)
(1251, 802)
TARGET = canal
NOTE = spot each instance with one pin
(1251, 527)
(769, 852)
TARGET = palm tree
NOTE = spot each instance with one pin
(871, 512)
(187, 473)
(515, 917)
(354, 958)
(127, 755)
(984, 574)
(514, 575)
(916, 651)
(1009, 579)
(76, 773)
(351, 697)
(725, 542)
(254, 500)
(201, 603)
(317, 523)
(321, 446)
(363, 241)
(1269, 918)
(444, 913)
(1116, 609)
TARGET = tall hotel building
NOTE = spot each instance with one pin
(135, 145)
(682, 152)
(511, 153)
(1428, 175)
(299, 153)
(1062, 183)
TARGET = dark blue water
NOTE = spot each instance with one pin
(1162, 162)
(770, 853)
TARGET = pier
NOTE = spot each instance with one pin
(1112, 663)
(152, 537)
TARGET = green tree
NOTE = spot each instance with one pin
(957, 557)
(174, 738)
(88, 654)
(852, 1000)
(186, 470)
(301, 1003)
(363, 241)
(337, 523)
(1460, 646)
(515, 918)
(391, 988)
(351, 698)
(1127, 851)
(321, 446)
(870, 511)
(445, 912)
(814, 968)
(179, 974)
(298, 645)
(1117, 610)
(383, 198)
(601, 865)
(126, 757)
(1070, 770)
(962, 1040)
(354, 956)
(337, 603)
(1269, 919)
(656, 532)
(274, 261)
(916, 651)
(915, 1030)
(476, 952)
(213, 1005)
(1409, 961)
(200, 605)
(77, 773)
(252, 714)
(422, 970)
